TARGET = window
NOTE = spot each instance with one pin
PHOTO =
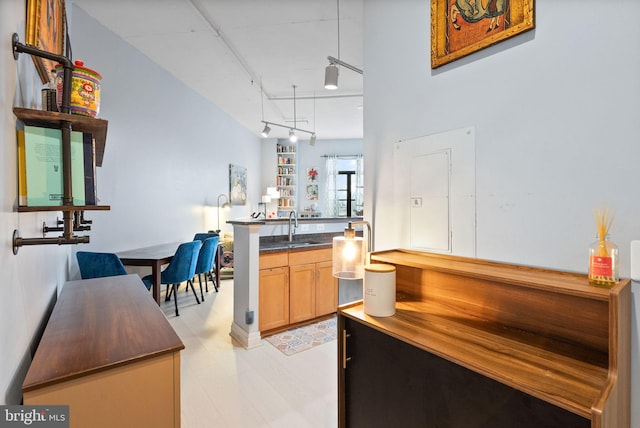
(344, 186)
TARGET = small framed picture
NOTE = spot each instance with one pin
(312, 192)
(237, 185)
(312, 175)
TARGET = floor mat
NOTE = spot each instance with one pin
(300, 339)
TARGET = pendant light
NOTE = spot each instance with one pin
(331, 76)
(266, 129)
(292, 136)
(331, 72)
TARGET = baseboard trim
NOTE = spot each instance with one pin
(247, 340)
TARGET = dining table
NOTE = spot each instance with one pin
(154, 256)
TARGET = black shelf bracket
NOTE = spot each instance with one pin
(60, 240)
(80, 224)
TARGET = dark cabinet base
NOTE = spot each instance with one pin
(389, 383)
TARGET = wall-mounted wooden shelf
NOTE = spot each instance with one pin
(97, 127)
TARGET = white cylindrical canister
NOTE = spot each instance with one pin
(379, 290)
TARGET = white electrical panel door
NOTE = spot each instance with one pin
(434, 193)
(430, 187)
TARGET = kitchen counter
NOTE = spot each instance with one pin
(255, 237)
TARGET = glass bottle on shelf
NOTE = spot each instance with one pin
(603, 262)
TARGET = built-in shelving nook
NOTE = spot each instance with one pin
(72, 215)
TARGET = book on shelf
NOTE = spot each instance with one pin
(89, 145)
(40, 167)
(22, 169)
(77, 168)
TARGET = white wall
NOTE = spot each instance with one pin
(168, 149)
(31, 278)
(167, 155)
(555, 112)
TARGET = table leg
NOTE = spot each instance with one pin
(155, 275)
(218, 265)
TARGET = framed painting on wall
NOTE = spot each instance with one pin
(46, 30)
(237, 185)
(312, 192)
(462, 27)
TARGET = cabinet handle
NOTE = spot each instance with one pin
(345, 359)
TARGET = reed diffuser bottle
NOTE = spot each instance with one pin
(603, 254)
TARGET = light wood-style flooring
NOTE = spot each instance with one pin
(225, 385)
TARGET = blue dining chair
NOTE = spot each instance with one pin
(181, 268)
(99, 265)
(206, 259)
(214, 272)
(205, 235)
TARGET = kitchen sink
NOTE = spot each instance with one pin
(304, 244)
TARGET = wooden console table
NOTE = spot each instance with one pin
(475, 343)
(109, 353)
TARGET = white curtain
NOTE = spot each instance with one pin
(359, 190)
(331, 195)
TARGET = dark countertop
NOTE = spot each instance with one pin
(279, 220)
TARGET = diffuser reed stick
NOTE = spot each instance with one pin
(603, 223)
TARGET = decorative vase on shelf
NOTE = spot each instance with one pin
(603, 254)
(85, 90)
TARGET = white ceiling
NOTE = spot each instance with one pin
(224, 49)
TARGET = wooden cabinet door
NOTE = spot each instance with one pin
(273, 298)
(326, 289)
(302, 292)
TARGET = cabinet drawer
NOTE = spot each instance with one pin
(271, 260)
(309, 256)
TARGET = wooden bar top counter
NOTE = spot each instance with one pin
(549, 334)
(109, 352)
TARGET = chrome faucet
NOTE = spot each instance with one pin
(293, 215)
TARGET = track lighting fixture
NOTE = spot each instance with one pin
(331, 71)
(312, 140)
(291, 130)
(292, 134)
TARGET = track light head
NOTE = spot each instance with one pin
(265, 131)
(292, 136)
(331, 77)
(312, 140)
